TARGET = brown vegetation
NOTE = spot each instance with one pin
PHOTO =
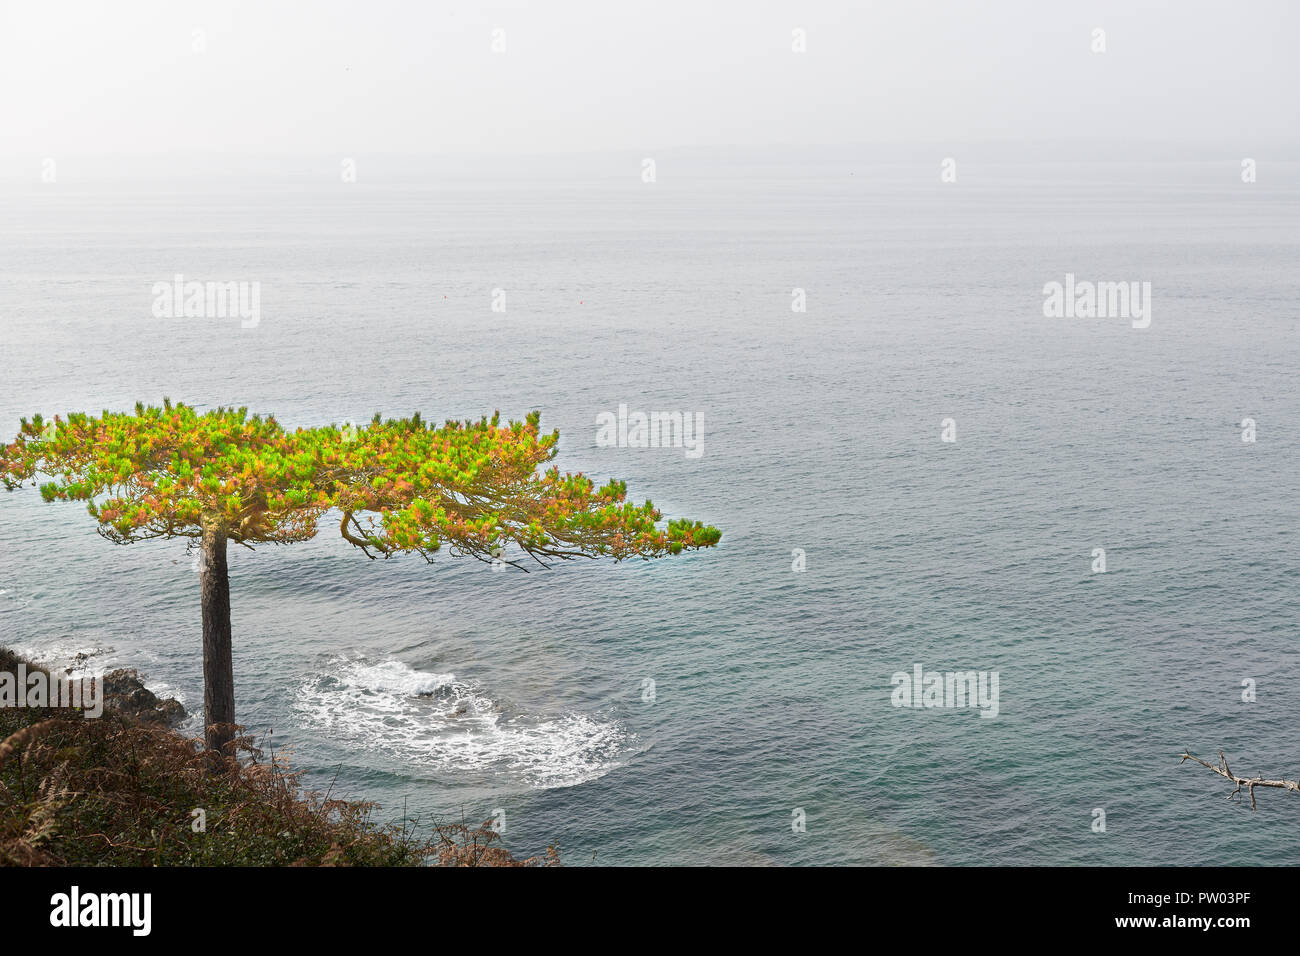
(127, 790)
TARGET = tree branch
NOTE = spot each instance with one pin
(1250, 783)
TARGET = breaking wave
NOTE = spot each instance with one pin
(440, 722)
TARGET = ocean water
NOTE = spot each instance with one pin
(451, 692)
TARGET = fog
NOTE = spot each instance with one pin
(346, 79)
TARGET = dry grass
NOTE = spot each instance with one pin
(122, 790)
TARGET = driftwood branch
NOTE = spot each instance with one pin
(1250, 783)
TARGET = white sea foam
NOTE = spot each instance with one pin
(75, 655)
(85, 655)
(440, 722)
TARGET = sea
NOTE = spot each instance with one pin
(911, 463)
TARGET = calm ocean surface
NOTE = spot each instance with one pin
(453, 691)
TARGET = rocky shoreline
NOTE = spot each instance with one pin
(125, 785)
(125, 693)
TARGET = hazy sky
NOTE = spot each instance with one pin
(350, 78)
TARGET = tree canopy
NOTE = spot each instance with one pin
(400, 485)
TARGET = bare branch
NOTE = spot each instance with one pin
(1250, 783)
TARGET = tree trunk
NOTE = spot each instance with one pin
(218, 673)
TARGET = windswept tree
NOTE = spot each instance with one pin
(398, 486)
